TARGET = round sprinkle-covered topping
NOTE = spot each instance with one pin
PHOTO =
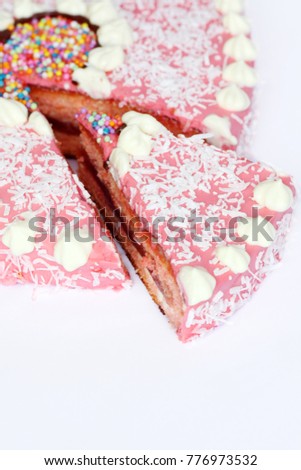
(51, 47)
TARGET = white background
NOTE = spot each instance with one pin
(103, 370)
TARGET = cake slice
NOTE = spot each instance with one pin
(50, 231)
(188, 63)
(202, 226)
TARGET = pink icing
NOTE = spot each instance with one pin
(184, 175)
(35, 178)
(174, 67)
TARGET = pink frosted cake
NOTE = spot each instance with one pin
(187, 62)
(50, 233)
(201, 225)
(204, 227)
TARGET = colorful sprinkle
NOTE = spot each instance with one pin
(103, 125)
(10, 86)
(51, 48)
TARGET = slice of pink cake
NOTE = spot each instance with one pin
(50, 232)
(190, 63)
(204, 226)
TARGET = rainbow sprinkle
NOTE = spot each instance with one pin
(50, 48)
(102, 125)
(10, 86)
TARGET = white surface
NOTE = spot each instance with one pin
(86, 370)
